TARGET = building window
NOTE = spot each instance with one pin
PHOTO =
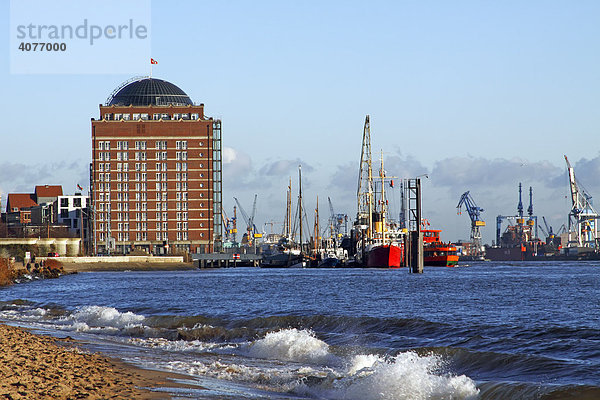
(64, 202)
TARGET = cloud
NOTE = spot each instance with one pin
(284, 167)
(345, 178)
(22, 177)
(470, 172)
(236, 164)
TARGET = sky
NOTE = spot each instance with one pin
(478, 95)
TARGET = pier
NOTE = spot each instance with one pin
(227, 260)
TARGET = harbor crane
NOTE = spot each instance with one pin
(583, 227)
(229, 225)
(251, 231)
(476, 222)
(335, 221)
(519, 231)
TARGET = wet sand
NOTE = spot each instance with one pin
(43, 367)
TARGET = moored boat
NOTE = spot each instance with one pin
(385, 256)
(437, 253)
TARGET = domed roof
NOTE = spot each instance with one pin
(147, 91)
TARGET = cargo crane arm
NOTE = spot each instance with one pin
(251, 228)
(583, 217)
(472, 209)
(476, 222)
(580, 199)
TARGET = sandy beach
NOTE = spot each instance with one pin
(42, 367)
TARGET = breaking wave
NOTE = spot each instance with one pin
(291, 345)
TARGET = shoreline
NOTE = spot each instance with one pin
(71, 268)
(47, 367)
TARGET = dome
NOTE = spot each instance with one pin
(148, 91)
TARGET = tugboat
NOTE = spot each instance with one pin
(435, 252)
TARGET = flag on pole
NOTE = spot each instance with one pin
(153, 61)
(79, 187)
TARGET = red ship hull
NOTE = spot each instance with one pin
(387, 256)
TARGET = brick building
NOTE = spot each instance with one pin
(22, 207)
(155, 172)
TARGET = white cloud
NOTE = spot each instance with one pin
(284, 167)
(22, 177)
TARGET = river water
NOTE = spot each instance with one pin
(479, 331)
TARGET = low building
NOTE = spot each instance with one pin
(32, 208)
(47, 194)
(72, 212)
(18, 208)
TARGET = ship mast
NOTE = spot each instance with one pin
(365, 183)
(383, 204)
(287, 225)
(300, 203)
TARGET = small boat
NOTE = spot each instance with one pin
(435, 252)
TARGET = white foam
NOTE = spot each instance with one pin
(291, 345)
(180, 345)
(275, 378)
(106, 317)
(406, 376)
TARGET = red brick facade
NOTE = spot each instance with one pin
(156, 179)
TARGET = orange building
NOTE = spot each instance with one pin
(155, 172)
